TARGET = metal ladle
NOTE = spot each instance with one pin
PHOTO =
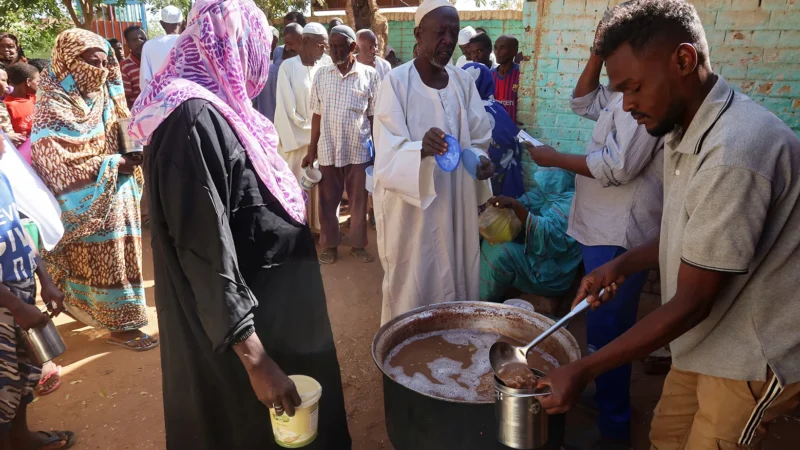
(502, 353)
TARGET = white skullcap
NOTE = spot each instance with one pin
(171, 14)
(315, 28)
(427, 6)
(466, 34)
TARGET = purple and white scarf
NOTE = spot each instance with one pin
(223, 57)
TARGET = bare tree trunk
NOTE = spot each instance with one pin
(365, 14)
(87, 11)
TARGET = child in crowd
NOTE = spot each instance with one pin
(5, 119)
(24, 78)
(18, 375)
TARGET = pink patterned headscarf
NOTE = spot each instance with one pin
(223, 57)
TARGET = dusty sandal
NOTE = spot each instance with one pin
(56, 440)
(53, 379)
(361, 255)
(137, 348)
(328, 256)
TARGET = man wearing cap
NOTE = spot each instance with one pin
(156, 51)
(290, 17)
(464, 38)
(293, 106)
(427, 219)
(342, 99)
(367, 44)
(265, 101)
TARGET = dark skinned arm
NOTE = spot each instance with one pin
(546, 156)
(696, 293)
(312, 146)
(590, 77)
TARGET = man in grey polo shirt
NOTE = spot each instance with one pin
(617, 206)
(728, 249)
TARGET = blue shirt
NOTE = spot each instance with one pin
(17, 260)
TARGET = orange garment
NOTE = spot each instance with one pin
(20, 109)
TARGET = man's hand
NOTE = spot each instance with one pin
(543, 155)
(567, 382)
(485, 170)
(52, 297)
(28, 316)
(127, 164)
(608, 277)
(272, 387)
(433, 143)
(309, 159)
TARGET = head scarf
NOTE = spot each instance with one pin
(75, 121)
(223, 57)
(504, 150)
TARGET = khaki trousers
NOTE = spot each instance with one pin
(336, 181)
(701, 412)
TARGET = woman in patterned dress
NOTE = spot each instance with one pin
(98, 262)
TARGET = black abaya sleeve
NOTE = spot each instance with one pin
(189, 169)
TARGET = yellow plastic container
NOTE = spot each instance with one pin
(300, 430)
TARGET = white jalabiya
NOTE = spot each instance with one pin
(427, 219)
(293, 120)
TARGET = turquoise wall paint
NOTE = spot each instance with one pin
(755, 45)
(401, 33)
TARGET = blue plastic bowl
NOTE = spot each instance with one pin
(449, 161)
(470, 161)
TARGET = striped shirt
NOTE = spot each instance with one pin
(344, 102)
(130, 78)
(505, 90)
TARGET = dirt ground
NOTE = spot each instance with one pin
(111, 397)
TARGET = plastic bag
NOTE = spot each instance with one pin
(498, 225)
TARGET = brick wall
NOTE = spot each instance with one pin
(496, 23)
(755, 45)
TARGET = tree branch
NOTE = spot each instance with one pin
(71, 11)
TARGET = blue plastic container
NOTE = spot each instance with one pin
(470, 161)
(449, 161)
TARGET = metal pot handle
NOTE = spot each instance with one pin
(547, 391)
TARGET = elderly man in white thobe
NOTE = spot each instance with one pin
(427, 219)
(293, 106)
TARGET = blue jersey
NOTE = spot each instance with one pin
(17, 260)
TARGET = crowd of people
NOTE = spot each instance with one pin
(252, 148)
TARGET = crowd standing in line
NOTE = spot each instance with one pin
(240, 295)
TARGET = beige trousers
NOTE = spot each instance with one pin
(701, 412)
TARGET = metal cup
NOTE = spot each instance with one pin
(127, 145)
(521, 420)
(43, 344)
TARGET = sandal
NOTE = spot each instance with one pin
(57, 437)
(328, 256)
(361, 255)
(42, 389)
(127, 344)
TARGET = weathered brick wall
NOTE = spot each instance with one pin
(755, 44)
(496, 23)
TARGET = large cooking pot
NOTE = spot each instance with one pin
(419, 421)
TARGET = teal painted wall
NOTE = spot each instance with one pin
(755, 45)
(401, 33)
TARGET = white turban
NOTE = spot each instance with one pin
(315, 28)
(466, 34)
(427, 6)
